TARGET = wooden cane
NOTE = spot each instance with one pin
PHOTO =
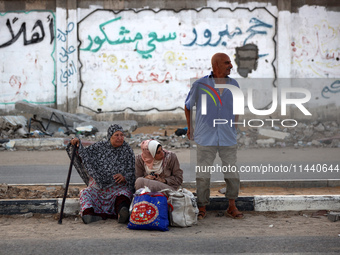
(66, 187)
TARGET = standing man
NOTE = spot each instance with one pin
(211, 104)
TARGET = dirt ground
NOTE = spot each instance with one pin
(45, 227)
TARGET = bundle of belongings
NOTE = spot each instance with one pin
(158, 210)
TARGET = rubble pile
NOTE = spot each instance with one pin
(314, 134)
(166, 137)
(12, 126)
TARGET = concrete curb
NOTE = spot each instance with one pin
(41, 144)
(296, 203)
(259, 203)
(255, 203)
(36, 143)
(21, 206)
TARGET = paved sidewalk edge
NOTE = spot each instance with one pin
(255, 203)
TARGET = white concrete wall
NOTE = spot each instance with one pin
(145, 60)
(27, 53)
(315, 43)
(67, 60)
(138, 60)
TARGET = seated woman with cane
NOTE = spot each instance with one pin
(157, 168)
(110, 165)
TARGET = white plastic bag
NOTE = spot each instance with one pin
(183, 207)
(138, 192)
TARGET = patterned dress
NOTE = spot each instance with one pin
(102, 200)
(97, 164)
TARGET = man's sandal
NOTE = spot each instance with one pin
(202, 213)
(234, 213)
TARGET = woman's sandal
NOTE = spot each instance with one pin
(234, 213)
(202, 213)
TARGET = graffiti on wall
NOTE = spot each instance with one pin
(65, 55)
(27, 44)
(251, 31)
(37, 32)
(328, 91)
(144, 60)
(315, 46)
(122, 38)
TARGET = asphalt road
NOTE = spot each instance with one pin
(30, 167)
(181, 245)
(257, 233)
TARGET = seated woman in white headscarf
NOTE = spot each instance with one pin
(108, 168)
(157, 168)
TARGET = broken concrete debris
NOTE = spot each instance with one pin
(55, 119)
(303, 135)
(87, 130)
(273, 134)
(333, 216)
(265, 142)
(13, 126)
(66, 125)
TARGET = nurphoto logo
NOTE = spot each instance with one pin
(238, 104)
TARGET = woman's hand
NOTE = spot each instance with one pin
(150, 177)
(75, 141)
(119, 178)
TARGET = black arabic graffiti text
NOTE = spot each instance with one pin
(36, 37)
